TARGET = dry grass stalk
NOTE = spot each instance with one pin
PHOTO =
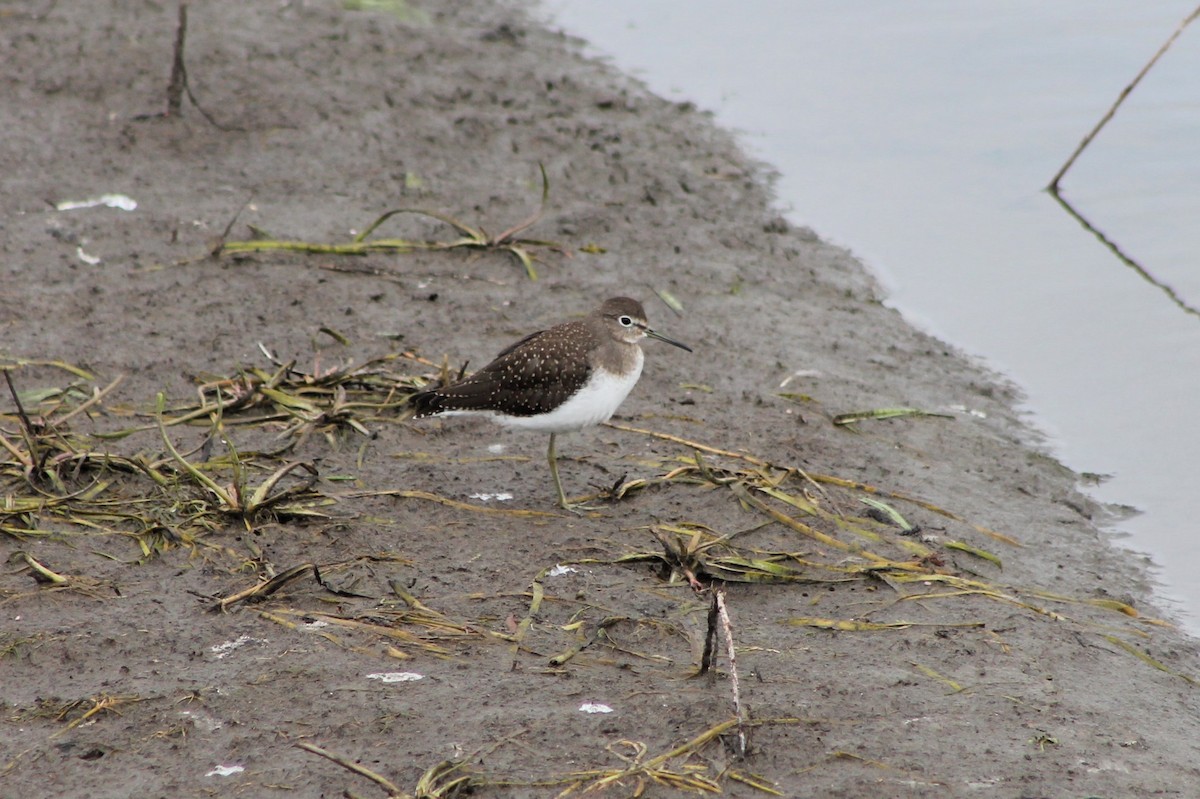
(470, 237)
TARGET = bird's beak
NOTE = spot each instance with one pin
(661, 337)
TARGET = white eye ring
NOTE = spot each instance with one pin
(625, 321)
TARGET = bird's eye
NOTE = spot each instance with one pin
(625, 321)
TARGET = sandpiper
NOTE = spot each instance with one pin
(568, 377)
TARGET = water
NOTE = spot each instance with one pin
(920, 134)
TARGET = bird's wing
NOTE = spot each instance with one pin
(515, 383)
(514, 345)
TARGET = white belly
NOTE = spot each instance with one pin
(596, 402)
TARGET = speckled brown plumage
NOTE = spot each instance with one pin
(540, 372)
(533, 376)
(568, 377)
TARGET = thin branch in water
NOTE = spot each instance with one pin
(1053, 187)
(1116, 250)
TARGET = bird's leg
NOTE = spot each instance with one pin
(552, 457)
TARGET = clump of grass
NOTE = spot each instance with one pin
(243, 501)
(75, 712)
(63, 484)
(695, 554)
(399, 621)
(345, 398)
(682, 767)
(471, 237)
(12, 644)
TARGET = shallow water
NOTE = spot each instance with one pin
(921, 134)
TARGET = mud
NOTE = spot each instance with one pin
(1035, 684)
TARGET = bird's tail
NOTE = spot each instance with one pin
(424, 403)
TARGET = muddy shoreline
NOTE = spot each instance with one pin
(1045, 671)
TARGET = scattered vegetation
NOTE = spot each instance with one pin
(60, 483)
(470, 237)
(171, 476)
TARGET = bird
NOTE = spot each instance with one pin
(565, 378)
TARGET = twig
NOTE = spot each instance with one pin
(379, 780)
(219, 243)
(178, 82)
(727, 628)
(25, 423)
(1053, 187)
(710, 639)
(35, 463)
(179, 85)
